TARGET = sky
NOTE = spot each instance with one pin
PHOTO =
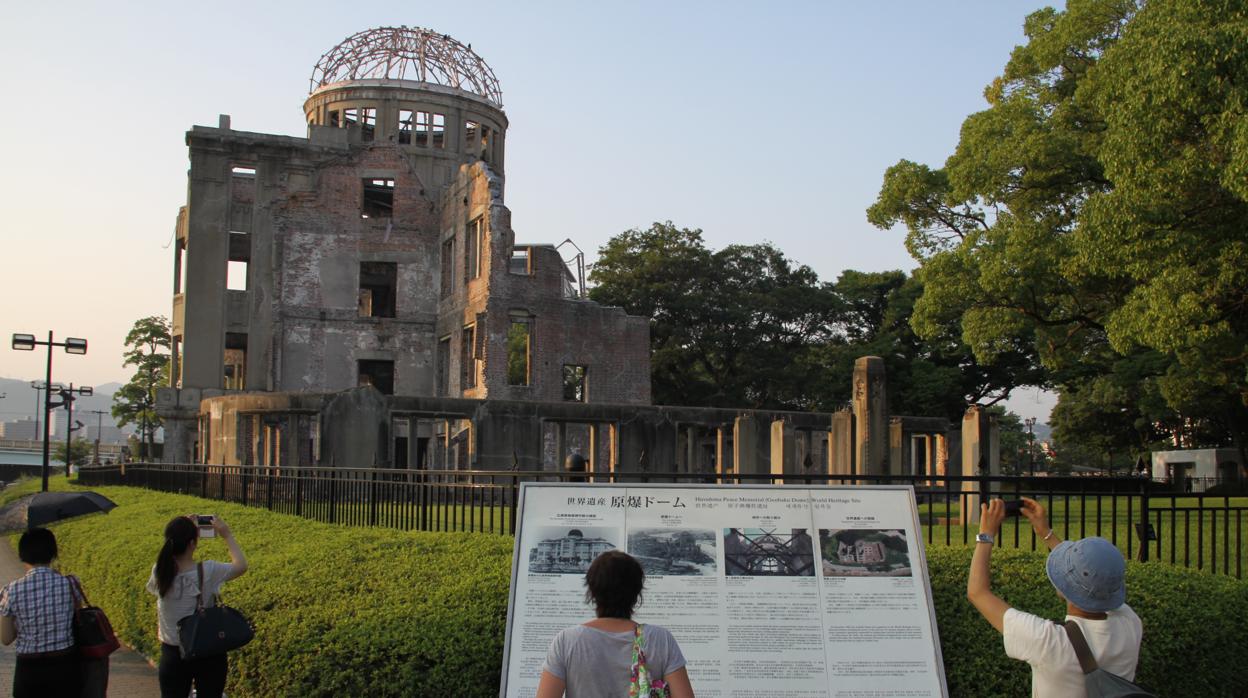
(751, 121)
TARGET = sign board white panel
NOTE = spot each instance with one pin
(771, 591)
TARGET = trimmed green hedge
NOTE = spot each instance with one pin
(377, 612)
(338, 611)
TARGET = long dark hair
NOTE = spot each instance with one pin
(179, 533)
(613, 584)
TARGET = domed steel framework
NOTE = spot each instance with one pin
(407, 53)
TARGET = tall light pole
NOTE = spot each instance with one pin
(67, 401)
(1031, 441)
(73, 345)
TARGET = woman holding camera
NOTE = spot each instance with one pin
(600, 658)
(175, 582)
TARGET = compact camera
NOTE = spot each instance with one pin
(204, 521)
(1014, 508)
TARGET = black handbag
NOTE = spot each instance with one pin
(212, 630)
(93, 634)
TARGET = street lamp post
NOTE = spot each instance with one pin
(67, 400)
(1031, 445)
(73, 345)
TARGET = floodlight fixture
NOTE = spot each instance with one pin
(24, 342)
(86, 390)
(74, 345)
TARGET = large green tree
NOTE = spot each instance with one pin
(1097, 211)
(135, 402)
(729, 327)
(745, 327)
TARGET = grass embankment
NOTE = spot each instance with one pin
(379, 612)
(338, 611)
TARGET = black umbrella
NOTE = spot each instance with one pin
(45, 507)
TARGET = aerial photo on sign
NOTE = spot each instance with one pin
(680, 552)
(857, 552)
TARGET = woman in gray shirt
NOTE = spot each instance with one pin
(594, 659)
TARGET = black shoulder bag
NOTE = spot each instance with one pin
(212, 630)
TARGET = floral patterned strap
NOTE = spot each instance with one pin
(640, 684)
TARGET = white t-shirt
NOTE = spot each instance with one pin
(180, 601)
(1115, 643)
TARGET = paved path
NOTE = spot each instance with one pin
(129, 676)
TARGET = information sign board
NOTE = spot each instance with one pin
(771, 591)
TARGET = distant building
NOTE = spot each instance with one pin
(20, 429)
(378, 251)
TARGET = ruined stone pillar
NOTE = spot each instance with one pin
(783, 449)
(747, 443)
(723, 459)
(841, 444)
(898, 448)
(870, 416)
(941, 462)
(979, 457)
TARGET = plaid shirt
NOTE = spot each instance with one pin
(42, 606)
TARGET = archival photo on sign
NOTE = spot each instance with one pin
(565, 550)
(688, 552)
(762, 552)
(864, 552)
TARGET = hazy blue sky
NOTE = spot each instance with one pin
(751, 121)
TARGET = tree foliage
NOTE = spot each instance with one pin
(746, 327)
(1097, 211)
(134, 402)
(81, 449)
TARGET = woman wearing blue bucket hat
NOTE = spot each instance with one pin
(1090, 576)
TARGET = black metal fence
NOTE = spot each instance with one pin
(1145, 519)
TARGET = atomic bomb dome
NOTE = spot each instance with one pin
(403, 53)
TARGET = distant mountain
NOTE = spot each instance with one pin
(20, 400)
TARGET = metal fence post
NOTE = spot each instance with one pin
(372, 496)
(333, 493)
(1144, 537)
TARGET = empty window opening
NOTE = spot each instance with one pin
(519, 263)
(474, 236)
(471, 129)
(467, 358)
(179, 272)
(443, 376)
(378, 281)
(485, 143)
(175, 362)
(378, 198)
(519, 350)
(377, 373)
(424, 125)
(235, 368)
(448, 266)
(368, 123)
(573, 383)
(350, 117)
(405, 126)
(335, 118)
(438, 133)
(236, 275)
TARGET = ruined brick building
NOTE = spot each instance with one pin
(357, 297)
(378, 251)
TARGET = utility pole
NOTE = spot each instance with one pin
(99, 427)
(1031, 446)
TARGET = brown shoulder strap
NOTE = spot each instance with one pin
(1086, 661)
(199, 598)
(81, 600)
